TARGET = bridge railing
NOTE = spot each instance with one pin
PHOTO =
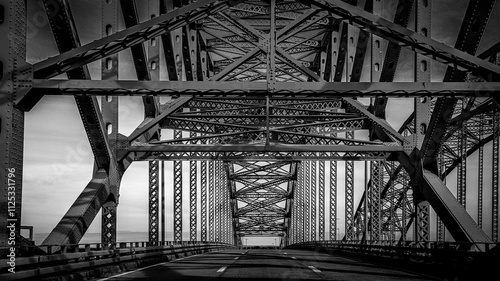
(422, 251)
(83, 257)
(28, 250)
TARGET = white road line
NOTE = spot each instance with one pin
(314, 269)
(236, 258)
(125, 273)
(128, 272)
(222, 269)
(285, 253)
(294, 258)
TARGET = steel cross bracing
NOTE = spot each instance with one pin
(261, 92)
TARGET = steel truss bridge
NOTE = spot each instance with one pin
(273, 106)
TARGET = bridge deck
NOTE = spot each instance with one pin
(262, 264)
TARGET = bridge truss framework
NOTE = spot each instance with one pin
(264, 113)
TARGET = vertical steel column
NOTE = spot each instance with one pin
(153, 67)
(177, 194)
(462, 165)
(494, 189)
(109, 106)
(307, 200)
(218, 215)
(480, 174)
(422, 108)
(188, 45)
(227, 206)
(162, 191)
(313, 200)
(392, 205)
(203, 203)
(211, 182)
(223, 188)
(12, 61)
(224, 205)
(361, 219)
(300, 203)
(406, 213)
(440, 231)
(293, 213)
(349, 195)
(374, 198)
(193, 183)
(321, 209)
(333, 200)
(153, 202)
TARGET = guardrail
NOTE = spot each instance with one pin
(434, 256)
(404, 249)
(70, 259)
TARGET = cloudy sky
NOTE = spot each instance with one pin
(58, 160)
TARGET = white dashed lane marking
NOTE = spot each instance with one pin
(294, 258)
(222, 269)
(314, 269)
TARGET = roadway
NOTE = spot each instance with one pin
(260, 264)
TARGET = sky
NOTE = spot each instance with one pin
(57, 156)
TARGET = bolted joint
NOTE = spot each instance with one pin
(23, 83)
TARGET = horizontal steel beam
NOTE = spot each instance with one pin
(264, 148)
(216, 88)
(261, 156)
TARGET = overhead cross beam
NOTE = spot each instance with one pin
(254, 89)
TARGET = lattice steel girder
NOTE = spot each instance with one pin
(263, 226)
(256, 89)
(391, 147)
(263, 177)
(298, 131)
(154, 202)
(269, 186)
(257, 168)
(267, 156)
(405, 37)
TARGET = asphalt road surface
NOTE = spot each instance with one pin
(243, 265)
